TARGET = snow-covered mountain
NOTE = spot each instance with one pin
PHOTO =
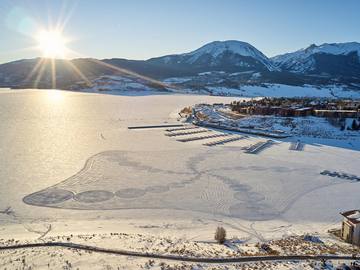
(230, 55)
(328, 58)
(217, 65)
(218, 48)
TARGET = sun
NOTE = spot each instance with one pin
(52, 44)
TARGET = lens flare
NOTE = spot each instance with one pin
(52, 44)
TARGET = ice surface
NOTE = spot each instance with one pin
(77, 167)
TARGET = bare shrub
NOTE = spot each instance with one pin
(220, 235)
(186, 110)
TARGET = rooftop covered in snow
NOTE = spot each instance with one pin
(352, 215)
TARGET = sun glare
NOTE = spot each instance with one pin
(52, 44)
(55, 96)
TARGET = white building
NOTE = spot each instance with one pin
(350, 230)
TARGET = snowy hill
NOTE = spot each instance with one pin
(217, 48)
(330, 58)
(227, 55)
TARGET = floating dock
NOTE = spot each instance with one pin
(173, 134)
(181, 128)
(297, 146)
(202, 137)
(156, 126)
(258, 147)
(224, 141)
(244, 130)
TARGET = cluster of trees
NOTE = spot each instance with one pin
(355, 125)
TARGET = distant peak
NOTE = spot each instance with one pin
(311, 47)
(226, 44)
(216, 48)
(229, 42)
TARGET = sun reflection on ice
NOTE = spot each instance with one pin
(55, 96)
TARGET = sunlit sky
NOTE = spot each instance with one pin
(140, 29)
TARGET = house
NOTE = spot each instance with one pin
(350, 230)
(306, 111)
(337, 113)
(286, 112)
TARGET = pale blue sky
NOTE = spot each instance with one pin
(140, 29)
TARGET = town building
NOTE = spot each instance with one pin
(350, 230)
(306, 111)
(337, 113)
(299, 107)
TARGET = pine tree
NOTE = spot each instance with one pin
(354, 125)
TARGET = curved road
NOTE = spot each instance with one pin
(179, 258)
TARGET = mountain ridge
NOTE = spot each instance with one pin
(223, 63)
(304, 60)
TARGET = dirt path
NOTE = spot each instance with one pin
(180, 258)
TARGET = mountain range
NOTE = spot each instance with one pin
(231, 64)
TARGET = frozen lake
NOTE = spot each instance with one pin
(72, 158)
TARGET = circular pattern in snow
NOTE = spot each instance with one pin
(94, 196)
(177, 185)
(130, 193)
(48, 196)
(239, 187)
(249, 196)
(157, 189)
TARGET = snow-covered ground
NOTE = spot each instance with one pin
(142, 182)
(124, 85)
(56, 258)
(312, 130)
(176, 80)
(315, 129)
(262, 90)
